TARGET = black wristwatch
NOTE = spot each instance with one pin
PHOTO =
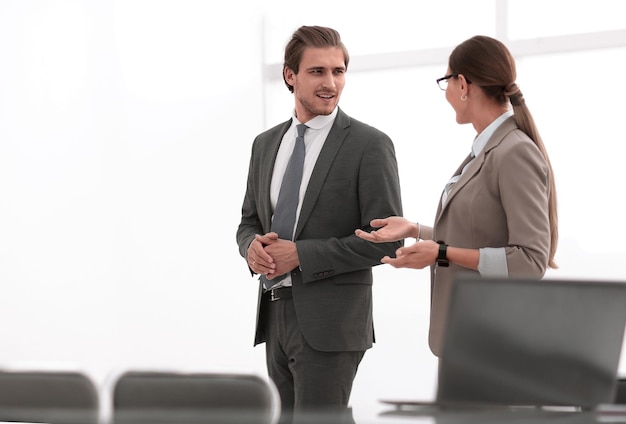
(442, 257)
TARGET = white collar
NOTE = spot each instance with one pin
(481, 139)
(319, 121)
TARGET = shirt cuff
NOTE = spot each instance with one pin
(492, 262)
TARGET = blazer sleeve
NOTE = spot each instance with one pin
(256, 209)
(524, 190)
(250, 224)
(370, 158)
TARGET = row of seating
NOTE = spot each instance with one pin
(137, 397)
(145, 397)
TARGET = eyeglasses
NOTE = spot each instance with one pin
(443, 81)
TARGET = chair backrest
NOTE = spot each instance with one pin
(179, 398)
(55, 397)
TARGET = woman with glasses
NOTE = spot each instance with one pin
(498, 212)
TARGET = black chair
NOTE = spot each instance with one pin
(158, 397)
(55, 397)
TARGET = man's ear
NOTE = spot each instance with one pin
(289, 75)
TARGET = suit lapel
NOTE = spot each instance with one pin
(335, 139)
(269, 157)
(471, 170)
(506, 127)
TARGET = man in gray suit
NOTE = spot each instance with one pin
(315, 290)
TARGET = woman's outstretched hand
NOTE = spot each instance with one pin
(389, 229)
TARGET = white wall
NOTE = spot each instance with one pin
(124, 134)
(125, 129)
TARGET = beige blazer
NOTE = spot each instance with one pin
(500, 201)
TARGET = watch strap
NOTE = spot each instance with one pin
(442, 256)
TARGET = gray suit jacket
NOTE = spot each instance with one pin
(354, 181)
(500, 201)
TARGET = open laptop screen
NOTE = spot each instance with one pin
(532, 342)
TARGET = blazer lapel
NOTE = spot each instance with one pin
(506, 127)
(333, 142)
(471, 170)
(269, 158)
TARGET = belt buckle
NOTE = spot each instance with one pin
(273, 296)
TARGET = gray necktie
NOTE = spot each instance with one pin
(285, 212)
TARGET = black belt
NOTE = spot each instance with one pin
(278, 293)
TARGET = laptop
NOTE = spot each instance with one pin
(522, 342)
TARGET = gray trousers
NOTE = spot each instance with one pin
(312, 384)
